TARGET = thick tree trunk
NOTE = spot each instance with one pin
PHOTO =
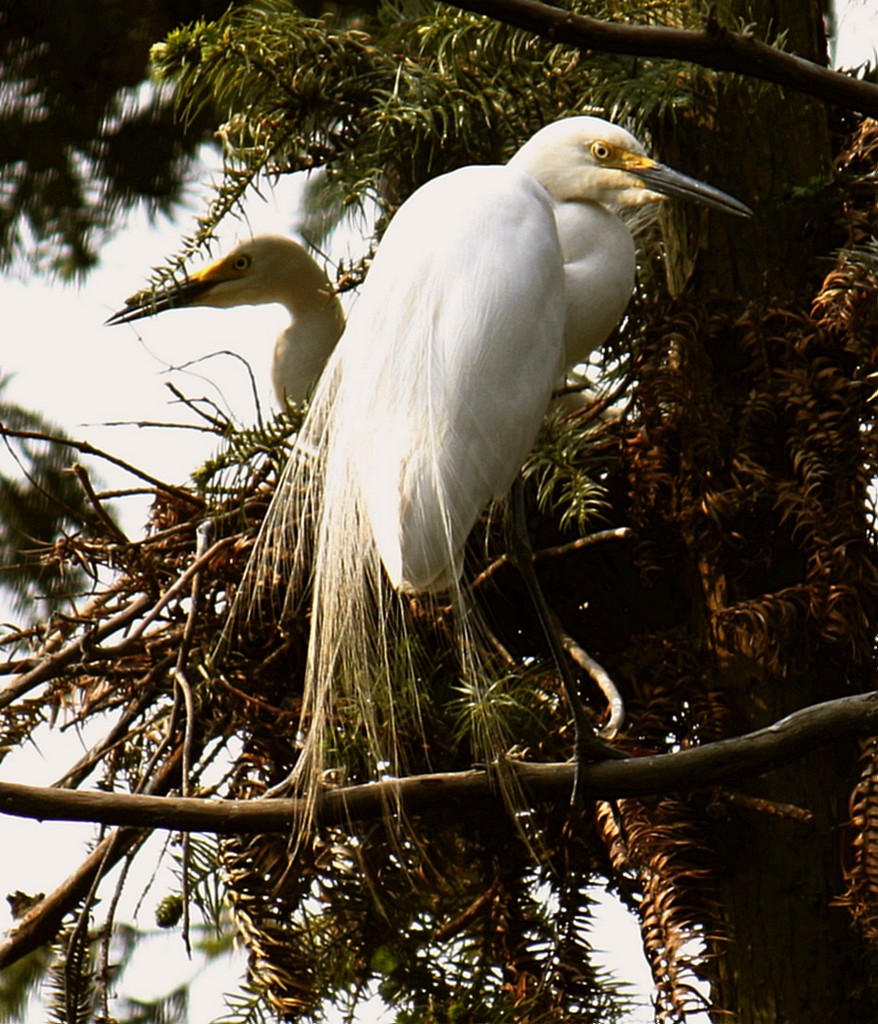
(792, 956)
(791, 953)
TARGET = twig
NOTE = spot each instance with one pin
(120, 732)
(183, 687)
(217, 424)
(598, 537)
(595, 408)
(51, 666)
(41, 923)
(104, 974)
(61, 628)
(74, 952)
(555, 551)
(84, 448)
(760, 805)
(163, 425)
(81, 474)
(451, 928)
(51, 496)
(173, 590)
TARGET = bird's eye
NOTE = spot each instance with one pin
(241, 263)
(600, 150)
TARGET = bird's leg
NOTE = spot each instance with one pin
(587, 745)
(599, 676)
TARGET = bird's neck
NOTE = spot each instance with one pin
(309, 292)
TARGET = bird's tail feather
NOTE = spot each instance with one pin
(385, 670)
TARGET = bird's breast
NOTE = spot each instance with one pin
(599, 266)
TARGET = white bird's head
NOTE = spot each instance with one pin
(588, 159)
(264, 269)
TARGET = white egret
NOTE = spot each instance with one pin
(265, 269)
(489, 281)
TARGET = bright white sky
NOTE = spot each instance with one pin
(84, 375)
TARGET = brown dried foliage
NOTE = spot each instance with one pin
(664, 868)
(749, 468)
(861, 872)
(360, 903)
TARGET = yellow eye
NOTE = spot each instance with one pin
(600, 151)
(241, 263)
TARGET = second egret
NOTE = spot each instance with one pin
(262, 270)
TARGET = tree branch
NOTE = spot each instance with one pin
(464, 792)
(696, 768)
(715, 47)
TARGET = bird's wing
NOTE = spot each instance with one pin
(449, 360)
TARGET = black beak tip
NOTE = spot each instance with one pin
(741, 210)
(126, 315)
(147, 303)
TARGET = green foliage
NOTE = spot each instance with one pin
(77, 981)
(248, 452)
(169, 911)
(200, 863)
(519, 699)
(443, 928)
(380, 97)
(566, 469)
(382, 105)
(70, 981)
(247, 1006)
